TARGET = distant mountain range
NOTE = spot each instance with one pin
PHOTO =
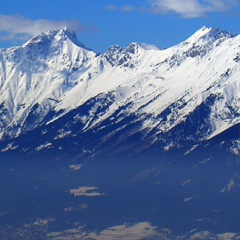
(58, 96)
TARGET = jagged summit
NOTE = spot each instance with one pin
(122, 56)
(202, 42)
(206, 34)
(133, 46)
(217, 33)
(61, 35)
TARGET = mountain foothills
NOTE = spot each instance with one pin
(56, 95)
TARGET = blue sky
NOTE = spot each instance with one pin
(103, 23)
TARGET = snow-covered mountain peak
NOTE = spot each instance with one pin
(200, 43)
(65, 33)
(59, 36)
(217, 33)
(128, 56)
(208, 35)
(51, 49)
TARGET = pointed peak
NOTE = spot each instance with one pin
(60, 35)
(63, 34)
(210, 34)
(66, 33)
(217, 33)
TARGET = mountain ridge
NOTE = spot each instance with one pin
(153, 90)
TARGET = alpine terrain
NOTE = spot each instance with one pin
(159, 125)
(57, 88)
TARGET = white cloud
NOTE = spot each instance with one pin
(111, 7)
(125, 8)
(191, 8)
(21, 28)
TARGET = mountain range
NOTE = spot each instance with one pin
(59, 97)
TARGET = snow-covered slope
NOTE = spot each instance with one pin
(35, 77)
(54, 80)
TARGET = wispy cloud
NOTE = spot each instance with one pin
(111, 7)
(184, 8)
(21, 28)
(125, 8)
(191, 8)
